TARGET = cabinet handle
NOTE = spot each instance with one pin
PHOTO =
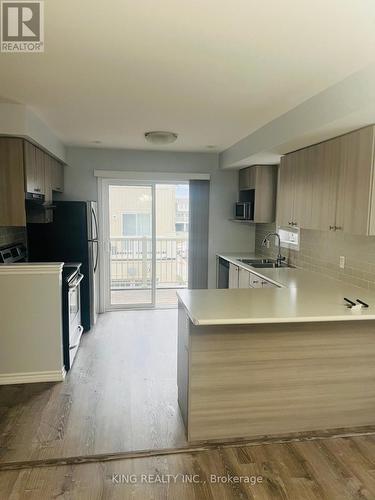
(290, 223)
(264, 282)
(338, 228)
(37, 190)
(256, 281)
(332, 228)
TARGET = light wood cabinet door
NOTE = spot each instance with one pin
(286, 188)
(303, 178)
(57, 176)
(233, 276)
(34, 169)
(325, 165)
(12, 183)
(47, 160)
(243, 278)
(247, 178)
(265, 193)
(355, 180)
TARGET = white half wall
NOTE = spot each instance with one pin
(224, 236)
(31, 347)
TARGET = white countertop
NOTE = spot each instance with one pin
(304, 296)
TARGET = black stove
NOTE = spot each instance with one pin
(12, 254)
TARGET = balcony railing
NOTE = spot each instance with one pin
(131, 262)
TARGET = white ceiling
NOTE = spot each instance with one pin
(211, 70)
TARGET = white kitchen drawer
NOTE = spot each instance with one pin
(267, 284)
(255, 281)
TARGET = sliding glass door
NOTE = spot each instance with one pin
(131, 266)
(146, 256)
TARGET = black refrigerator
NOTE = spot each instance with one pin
(71, 237)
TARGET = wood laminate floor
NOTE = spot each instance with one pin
(328, 469)
(120, 395)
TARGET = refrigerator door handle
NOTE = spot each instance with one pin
(97, 255)
(95, 223)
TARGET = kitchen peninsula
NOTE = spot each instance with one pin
(272, 361)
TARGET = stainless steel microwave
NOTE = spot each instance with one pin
(244, 210)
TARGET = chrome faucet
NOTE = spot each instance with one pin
(279, 258)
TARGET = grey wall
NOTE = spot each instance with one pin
(224, 235)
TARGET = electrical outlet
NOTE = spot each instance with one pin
(342, 262)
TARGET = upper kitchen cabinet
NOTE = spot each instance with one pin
(295, 190)
(25, 168)
(330, 186)
(34, 169)
(257, 184)
(286, 189)
(57, 175)
(325, 166)
(12, 183)
(355, 209)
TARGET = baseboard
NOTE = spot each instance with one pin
(32, 377)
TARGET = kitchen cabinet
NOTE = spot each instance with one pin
(34, 169)
(233, 276)
(247, 178)
(243, 278)
(43, 173)
(325, 163)
(330, 186)
(355, 195)
(12, 183)
(47, 166)
(255, 281)
(57, 176)
(267, 284)
(295, 190)
(285, 194)
(257, 185)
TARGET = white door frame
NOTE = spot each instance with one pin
(105, 261)
(127, 178)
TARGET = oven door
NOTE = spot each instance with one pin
(74, 302)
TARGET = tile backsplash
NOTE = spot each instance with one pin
(9, 235)
(320, 251)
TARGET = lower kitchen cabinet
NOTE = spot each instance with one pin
(243, 278)
(255, 281)
(233, 276)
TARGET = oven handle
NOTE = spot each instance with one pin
(80, 328)
(76, 282)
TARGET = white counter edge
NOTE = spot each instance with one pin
(31, 268)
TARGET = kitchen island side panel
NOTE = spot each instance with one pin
(256, 380)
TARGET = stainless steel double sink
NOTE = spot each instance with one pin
(262, 263)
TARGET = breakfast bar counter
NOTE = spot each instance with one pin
(255, 362)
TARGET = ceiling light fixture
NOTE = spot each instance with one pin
(160, 137)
